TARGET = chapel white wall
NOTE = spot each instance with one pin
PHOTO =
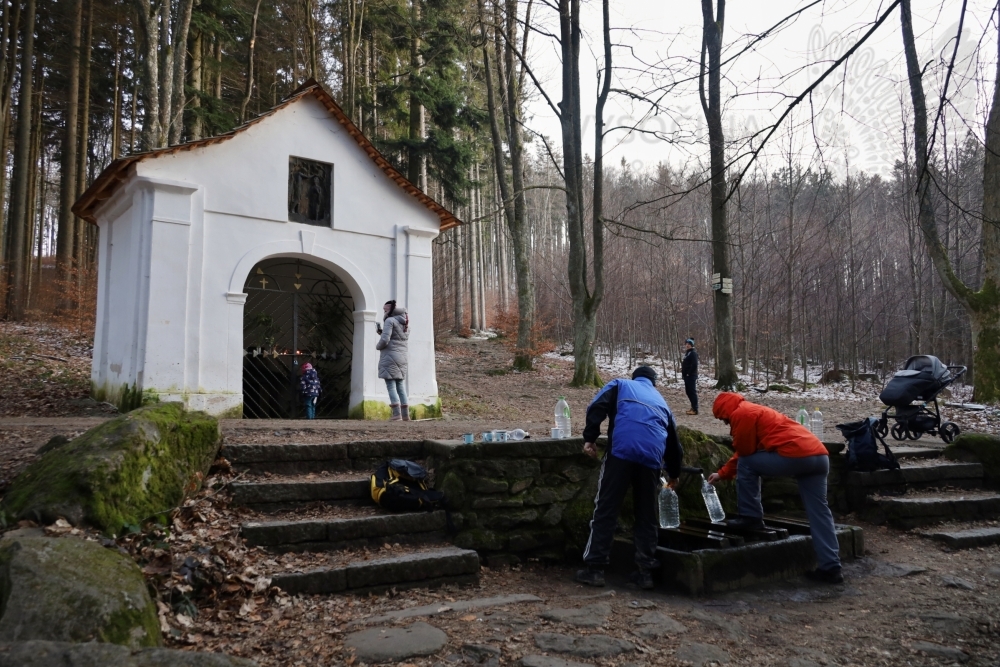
(178, 240)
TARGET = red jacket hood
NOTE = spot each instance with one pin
(725, 405)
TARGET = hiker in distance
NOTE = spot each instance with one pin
(392, 362)
(642, 439)
(689, 371)
(310, 388)
(769, 444)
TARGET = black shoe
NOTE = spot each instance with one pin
(590, 577)
(746, 522)
(642, 579)
(833, 576)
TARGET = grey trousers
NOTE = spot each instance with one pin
(810, 472)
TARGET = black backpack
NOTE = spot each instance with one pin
(862, 447)
(401, 486)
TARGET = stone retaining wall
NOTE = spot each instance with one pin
(532, 498)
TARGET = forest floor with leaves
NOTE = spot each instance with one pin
(212, 592)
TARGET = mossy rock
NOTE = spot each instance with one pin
(978, 448)
(120, 473)
(780, 388)
(69, 589)
(702, 451)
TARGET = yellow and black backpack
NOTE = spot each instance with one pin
(401, 486)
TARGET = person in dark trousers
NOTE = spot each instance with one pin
(642, 439)
(310, 389)
(689, 371)
(769, 444)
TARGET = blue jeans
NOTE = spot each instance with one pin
(397, 395)
(310, 406)
(811, 473)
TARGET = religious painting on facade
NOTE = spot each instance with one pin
(309, 191)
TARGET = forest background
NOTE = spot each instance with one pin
(607, 160)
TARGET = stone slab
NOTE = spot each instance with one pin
(447, 562)
(443, 608)
(943, 652)
(524, 449)
(919, 475)
(330, 532)
(64, 654)
(966, 539)
(701, 654)
(549, 661)
(657, 625)
(591, 616)
(395, 644)
(428, 567)
(244, 454)
(587, 646)
(916, 512)
(905, 452)
(301, 491)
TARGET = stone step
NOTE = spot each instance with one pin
(904, 452)
(963, 475)
(337, 534)
(294, 459)
(912, 512)
(966, 539)
(427, 568)
(268, 496)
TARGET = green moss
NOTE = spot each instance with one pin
(372, 410)
(123, 472)
(986, 361)
(69, 589)
(701, 451)
(125, 397)
(978, 448)
(426, 411)
(235, 412)
(780, 388)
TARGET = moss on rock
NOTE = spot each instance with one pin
(978, 448)
(702, 451)
(120, 473)
(69, 589)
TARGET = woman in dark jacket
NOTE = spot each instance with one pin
(392, 363)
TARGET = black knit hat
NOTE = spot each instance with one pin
(645, 372)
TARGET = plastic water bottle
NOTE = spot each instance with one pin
(816, 423)
(712, 502)
(562, 417)
(670, 506)
(803, 417)
(516, 434)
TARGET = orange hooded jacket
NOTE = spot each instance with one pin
(756, 427)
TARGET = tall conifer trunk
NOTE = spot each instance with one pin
(68, 166)
(19, 220)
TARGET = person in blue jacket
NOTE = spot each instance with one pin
(642, 440)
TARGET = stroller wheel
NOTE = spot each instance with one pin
(898, 432)
(914, 435)
(882, 428)
(949, 431)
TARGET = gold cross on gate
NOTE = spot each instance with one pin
(263, 283)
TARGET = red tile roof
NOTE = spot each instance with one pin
(119, 170)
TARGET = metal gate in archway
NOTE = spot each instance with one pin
(296, 312)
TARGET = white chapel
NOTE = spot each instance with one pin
(225, 264)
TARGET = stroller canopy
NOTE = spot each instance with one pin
(925, 365)
(921, 379)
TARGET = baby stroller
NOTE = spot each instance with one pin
(922, 379)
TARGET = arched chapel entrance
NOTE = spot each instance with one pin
(295, 312)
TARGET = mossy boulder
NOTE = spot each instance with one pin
(120, 473)
(64, 654)
(978, 448)
(69, 589)
(702, 451)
